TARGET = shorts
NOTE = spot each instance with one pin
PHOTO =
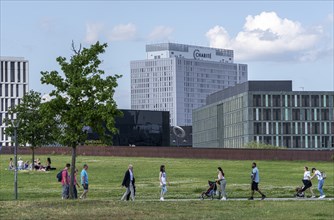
(85, 186)
(255, 186)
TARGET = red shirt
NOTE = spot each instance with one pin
(64, 175)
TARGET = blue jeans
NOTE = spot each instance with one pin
(163, 190)
(320, 185)
(222, 187)
(65, 192)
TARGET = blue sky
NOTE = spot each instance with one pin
(290, 40)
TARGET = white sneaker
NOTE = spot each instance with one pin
(224, 198)
(313, 196)
(321, 197)
(162, 199)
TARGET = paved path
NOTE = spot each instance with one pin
(244, 199)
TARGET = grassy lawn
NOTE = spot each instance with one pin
(40, 193)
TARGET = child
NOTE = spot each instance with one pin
(75, 192)
(163, 181)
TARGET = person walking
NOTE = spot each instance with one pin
(84, 181)
(307, 182)
(65, 181)
(255, 176)
(75, 184)
(128, 182)
(321, 182)
(163, 182)
(222, 182)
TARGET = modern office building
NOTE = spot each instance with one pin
(266, 112)
(14, 83)
(140, 128)
(177, 78)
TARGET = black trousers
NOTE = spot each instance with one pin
(307, 184)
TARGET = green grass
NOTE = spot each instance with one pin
(40, 193)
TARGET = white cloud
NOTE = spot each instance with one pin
(160, 33)
(123, 32)
(93, 31)
(268, 37)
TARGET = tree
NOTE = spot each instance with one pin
(82, 98)
(36, 127)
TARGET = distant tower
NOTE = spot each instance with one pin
(178, 78)
(14, 83)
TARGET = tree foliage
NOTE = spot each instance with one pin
(82, 96)
(36, 126)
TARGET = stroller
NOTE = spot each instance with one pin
(300, 190)
(211, 191)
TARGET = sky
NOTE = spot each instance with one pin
(278, 40)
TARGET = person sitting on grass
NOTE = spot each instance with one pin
(48, 165)
(20, 164)
(11, 164)
(26, 165)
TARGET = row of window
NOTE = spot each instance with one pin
(13, 71)
(293, 128)
(265, 114)
(292, 100)
(12, 90)
(297, 141)
(7, 103)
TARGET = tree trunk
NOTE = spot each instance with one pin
(74, 155)
(33, 158)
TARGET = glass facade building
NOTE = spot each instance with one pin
(266, 112)
(14, 83)
(140, 128)
(178, 78)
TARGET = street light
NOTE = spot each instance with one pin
(15, 124)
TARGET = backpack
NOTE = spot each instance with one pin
(60, 176)
(323, 174)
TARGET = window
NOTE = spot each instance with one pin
(12, 71)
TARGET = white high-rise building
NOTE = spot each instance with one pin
(14, 83)
(178, 78)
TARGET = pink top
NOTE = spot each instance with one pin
(75, 180)
(64, 175)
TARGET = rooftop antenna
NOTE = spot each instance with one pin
(302, 88)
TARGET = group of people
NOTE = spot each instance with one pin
(66, 180)
(307, 183)
(129, 182)
(21, 165)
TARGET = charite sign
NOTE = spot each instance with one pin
(197, 54)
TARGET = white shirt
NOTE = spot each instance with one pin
(163, 178)
(317, 172)
(20, 164)
(131, 175)
(220, 176)
(307, 175)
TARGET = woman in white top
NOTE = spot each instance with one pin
(307, 181)
(163, 182)
(222, 181)
(321, 182)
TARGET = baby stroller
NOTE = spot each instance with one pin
(211, 191)
(299, 192)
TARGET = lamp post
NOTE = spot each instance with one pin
(15, 125)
